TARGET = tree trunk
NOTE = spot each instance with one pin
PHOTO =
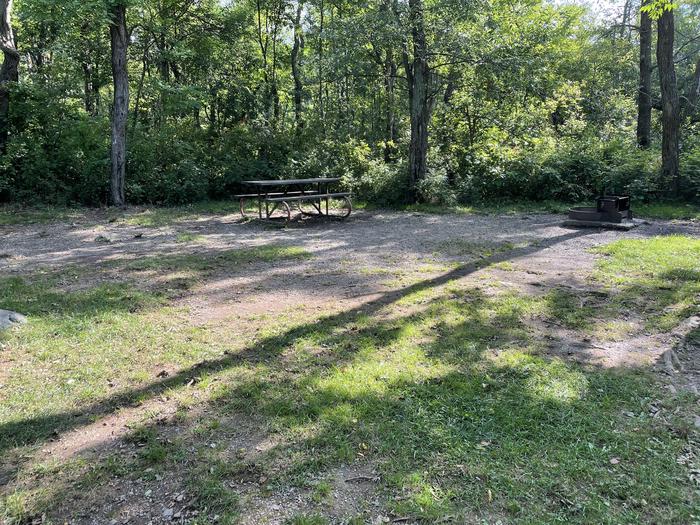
(296, 73)
(391, 128)
(10, 68)
(693, 97)
(644, 94)
(321, 113)
(419, 99)
(89, 91)
(119, 41)
(670, 103)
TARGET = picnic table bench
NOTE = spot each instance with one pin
(273, 194)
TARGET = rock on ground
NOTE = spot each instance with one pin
(8, 319)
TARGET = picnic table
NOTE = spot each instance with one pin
(271, 195)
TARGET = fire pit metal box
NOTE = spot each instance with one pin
(609, 208)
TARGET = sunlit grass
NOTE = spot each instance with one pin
(17, 215)
(659, 276)
(448, 393)
(663, 210)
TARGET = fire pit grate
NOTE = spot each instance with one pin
(609, 211)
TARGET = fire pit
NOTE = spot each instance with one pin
(610, 211)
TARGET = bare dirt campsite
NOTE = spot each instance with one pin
(395, 367)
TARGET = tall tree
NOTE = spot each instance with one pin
(119, 38)
(10, 68)
(644, 102)
(420, 99)
(297, 50)
(670, 101)
(693, 96)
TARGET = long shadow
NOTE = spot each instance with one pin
(38, 429)
(500, 427)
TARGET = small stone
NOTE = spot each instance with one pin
(697, 421)
(8, 319)
(614, 461)
(179, 498)
(168, 514)
(101, 239)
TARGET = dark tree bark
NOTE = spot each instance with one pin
(119, 37)
(9, 72)
(644, 94)
(321, 112)
(420, 100)
(391, 127)
(670, 101)
(89, 88)
(296, 71)
(693, 98)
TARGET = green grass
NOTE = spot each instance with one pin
(159, 216)
(187, 237)
(461, 247)
(154, 217)
(17, 215)
(449, 394)
(664, 210)
(667, 211)
(483, 208)
(216, 260)
(659, 276)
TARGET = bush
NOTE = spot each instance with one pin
(566, 170)
(60, 157)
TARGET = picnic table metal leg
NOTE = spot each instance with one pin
(348, 201)
(259, 204)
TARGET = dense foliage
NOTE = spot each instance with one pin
(530, 99)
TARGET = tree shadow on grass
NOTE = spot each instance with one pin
(460, 415)
(35, 430)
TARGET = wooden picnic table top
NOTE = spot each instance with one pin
(290, 182)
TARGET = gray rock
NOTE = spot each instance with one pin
(8, 319)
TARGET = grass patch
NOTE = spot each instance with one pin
(307, 519)
(156, 217)
(186, 238)
(659, 277)
(663, 210)
(212, 261)
(667, 211)
(484, 208)
(448, 393)
(459, 247)
(11, 215)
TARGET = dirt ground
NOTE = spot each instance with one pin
(352, 259)
(370, 258)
